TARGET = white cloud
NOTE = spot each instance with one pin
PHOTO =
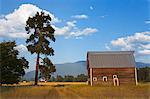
(13, 24)
(119, 42)
(91, 8)
(146, 46)
(21, 48)
(82, 16)
(86, 31)
(71, 30)
(70, 25)
(140, 42)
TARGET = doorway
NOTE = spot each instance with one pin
(115, 80)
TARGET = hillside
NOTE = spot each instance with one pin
(64, 69)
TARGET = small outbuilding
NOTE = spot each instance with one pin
(111, 68)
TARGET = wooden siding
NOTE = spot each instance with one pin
(125, 75)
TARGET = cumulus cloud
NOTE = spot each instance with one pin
(82, 16)
(12, 25)
(140, 42)
(71, 30)
(65, 30)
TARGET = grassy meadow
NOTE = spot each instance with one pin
(74, 90)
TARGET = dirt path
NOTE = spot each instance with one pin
(52, 94)
(62, 93)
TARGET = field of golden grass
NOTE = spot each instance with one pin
(74, 90)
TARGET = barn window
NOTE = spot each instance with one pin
(104, 78)
(114, 76)
(94, 78)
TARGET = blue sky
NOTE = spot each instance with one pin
(81, 26)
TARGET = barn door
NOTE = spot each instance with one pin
(115, 80)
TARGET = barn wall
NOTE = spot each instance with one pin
(125, 75)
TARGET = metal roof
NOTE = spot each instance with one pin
(111, 59)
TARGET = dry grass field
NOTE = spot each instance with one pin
(74, 90)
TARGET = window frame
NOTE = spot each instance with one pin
(115, 76)
(105, 77)
(94, 78)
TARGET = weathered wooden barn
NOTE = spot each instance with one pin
(111, 68)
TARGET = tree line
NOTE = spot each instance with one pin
(143, 74)
(69, 78)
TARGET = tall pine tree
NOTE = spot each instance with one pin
(39, 40)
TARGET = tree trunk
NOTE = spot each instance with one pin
(36, 71)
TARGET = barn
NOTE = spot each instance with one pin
(111, 68)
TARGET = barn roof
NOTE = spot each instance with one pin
(111, 59)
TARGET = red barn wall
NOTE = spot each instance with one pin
(125, 75)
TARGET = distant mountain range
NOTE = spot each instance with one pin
(74, 69)
(141, 65)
